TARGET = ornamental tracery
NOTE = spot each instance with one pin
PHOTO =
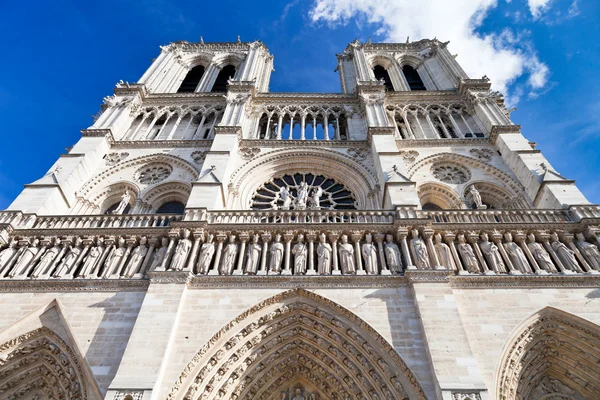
(450, 173)
(302, 191)
(153, 173)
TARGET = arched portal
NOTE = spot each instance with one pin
(297, 340)
(553, 355)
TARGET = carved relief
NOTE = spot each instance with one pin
(409, 156)
(198, 156)
(249, 153)
(450, 173)
(153, 173)
(482, 154)
(115, 158)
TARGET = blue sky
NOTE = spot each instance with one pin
(61, 57)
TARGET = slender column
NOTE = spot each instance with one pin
(86, 247)
(172, 239)
(520, 239)
(211, 131)
(303, 127)
(356, 236)
(155, 65)
(401, 237)
(379, 240)
(407, 124)
(431, 126)
(244, 237)
(333, 239)
(545, 239)
(152, 243)
(220, 239)
(119, 270)
(473, 239)
(198, 238)
(420, 125)
(337, 128)
(449, 239)
(279, 126)
(287, 237)
(326, 128)
(133, 134)
(314, 132)
(198, 130)
(156, 117)
(187, 127)
(291, 127)
(427, 235)
(443, 127)
(175, 126)
(266, 238)
(310, 237)
(455, 125)
(497, 239)
(569, 239)
(267, 133)
(467, 125)
(109, 248)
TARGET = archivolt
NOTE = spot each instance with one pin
(297, 336)
(337, 166)
(438, 194)
(554, 355)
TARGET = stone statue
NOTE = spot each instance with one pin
(419, 251)
(468, 257)
(323, 256)
(392, 255)
(253, 254)
(89, 262)
(589, 251)
(160, 254)
(113, 260)
(346, 251)
(492, 254)
(276, 255)
(7, 253)
(25, 258)
(516, 254)
(228, 258)
(316, 198)
(540, 254)
(300, 252)
(302, 196)
(298, 395)
(137, 258)
(565, 255)
(284, 194)
(476, 197)
(444, 253)
(47, 260)
(369, 254)
(206, 255)
(68, 261)
(181, 252)
(123, 204)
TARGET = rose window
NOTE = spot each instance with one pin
(303, 192)
(450, 173)
(153, 173)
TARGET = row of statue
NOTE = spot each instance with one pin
(315, 254)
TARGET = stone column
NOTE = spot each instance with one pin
(449, 238)
(131, 240)
(198, 238)
(520, 239)
(356, 236)
(310, 237)
(401, 237)
(379, 240)
(173, 236)
(333, 239)
(544, 237)
(152, 242)
(427, 235)
(568, 238)
(266, 238)
(109, 242)
(303, 127)
(239, 269)
(473, 239)
(287, 237)
(220, 239)
(497, 239)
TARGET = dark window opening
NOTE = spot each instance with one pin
(192, 80)
(431, 207)
(412, 78)
(114, 207)
(381, 73)
(226, 73)
(171, 207)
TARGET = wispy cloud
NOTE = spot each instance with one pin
(538, 7)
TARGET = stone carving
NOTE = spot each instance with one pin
(91, 259)
(346, 251)
(444, 254)
(476, 197)
(284, 195)
(540, 254)
(482, 154)
(302, 198)
(137, 258)
(206, 255)
(125, 199)
(114, 260)
(198, 156)
(253, 255)
(551, 388)
(419, 251)
(358, 153)
(323, 256)
(468, 257)
(409, 156)
(565, 255)
(160, 254)
(68, 262)
(466, 396)
(300, 253)
(516, 254)
(276, 255)
(589, 251)
(369, 254)
(6, 254)
(25, 258)
(228, 258)
(184, 246)
(392, 255)
(153, 173)
(115, 158)
(248, 153)
(450, 173)
(129, 395)
(492, 254)
(315, 198)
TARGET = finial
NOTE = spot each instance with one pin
(201, 40)
(369, 41)
(239, 40)
(407, 39)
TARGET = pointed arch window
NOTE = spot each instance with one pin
(381, 73)
(225, 74)
(192, 80)
(171, 207)
(412, 78)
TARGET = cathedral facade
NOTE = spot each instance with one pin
(209, 239)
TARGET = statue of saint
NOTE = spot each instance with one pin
(68, 261)
(540, 254)
(114, 258)
(565, 255)
(419, 251)
(7, 254)
(253, 254)
(159, 255)
(298, 395)
(47, 261)
(206, 255)
(300, 252)
(302, 196)
(468, 257)
(228, 258)
(516, 254)
(181, 252)
(123, 204)
(369, 254)
(589, 251)
(346, 251)
(392, 255)
(137, 258)
(316, 198)
(444, 253)
(90, 260)
(476, 197)
(284, 195)
(323, 256)
(276, 255)
(25, 258)
(492, 254)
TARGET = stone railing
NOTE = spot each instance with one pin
(497, 216)
(105, 221)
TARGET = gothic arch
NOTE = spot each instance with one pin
(297, 337)
(112, 194)
(551, 355)
(195, 59)
(410, 59)
(223, 59)
(166, 192)
(357, 179)
(438, 194)
(494, 195)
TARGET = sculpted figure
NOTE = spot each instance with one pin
(160, 254)
(284, 194)
(181, 252)
(90, 259)
(25, 258)
(47, 260)
(137, 258)
(7, 253)
(323, 256)
(300, 252)
(206, 255)
(419, 251)
(68, 261)
(253, 254)
(298, 395)
(476, 197)
(565, 255)
(589, 251)
(302, 196)
(226, 267)
(540, 254)
(392, 255)
(316, 198)
(346, 251)
(444, 253)
(492, 254)
(468, 257)
(123, 203)
(369, 254)
(516, 255)
(114, 258)
(276, 255)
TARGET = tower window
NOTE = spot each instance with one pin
(171, 207)
(412, 78)
(192, 80)
(381, 73)
(226, 73)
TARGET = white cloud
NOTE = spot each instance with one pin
(538, 7)
(503, 56)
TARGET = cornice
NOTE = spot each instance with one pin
(274, 143)
(145, 231)
(166, 144)
(74, 285)
(93, 132)
(270, 96)
(411, 143)
(524, 281)
(423, 96)
(200, 98)
(167, 277)
(466, 85)
(428, 276)
(295, 281)
(503, 129)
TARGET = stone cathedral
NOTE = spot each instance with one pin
(209, 239)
